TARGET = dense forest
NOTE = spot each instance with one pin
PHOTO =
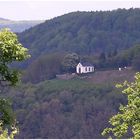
(64, 109)
(97, 37)
(85, 33)
(75, 108)
(49, 107)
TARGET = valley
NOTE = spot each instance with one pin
(18, 26)
(52, 101)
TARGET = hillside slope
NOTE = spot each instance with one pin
(112, 76)
(75, 108)
(85, 32)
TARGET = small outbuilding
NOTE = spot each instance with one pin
(84, 68)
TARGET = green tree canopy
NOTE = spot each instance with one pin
(10, 51)
(128, 118)
(70, 61)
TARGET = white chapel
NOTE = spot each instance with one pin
(84, 68)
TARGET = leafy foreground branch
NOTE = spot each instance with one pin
(10, 51)
(128, 117)
(4, 133)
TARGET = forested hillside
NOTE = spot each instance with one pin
(104, 38)
(65, 108)
(18, 26)
(85, 32)
(49, 107)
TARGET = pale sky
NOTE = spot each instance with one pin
(47, 9)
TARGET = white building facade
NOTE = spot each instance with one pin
(84, 68)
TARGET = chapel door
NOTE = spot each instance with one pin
(79, 70)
